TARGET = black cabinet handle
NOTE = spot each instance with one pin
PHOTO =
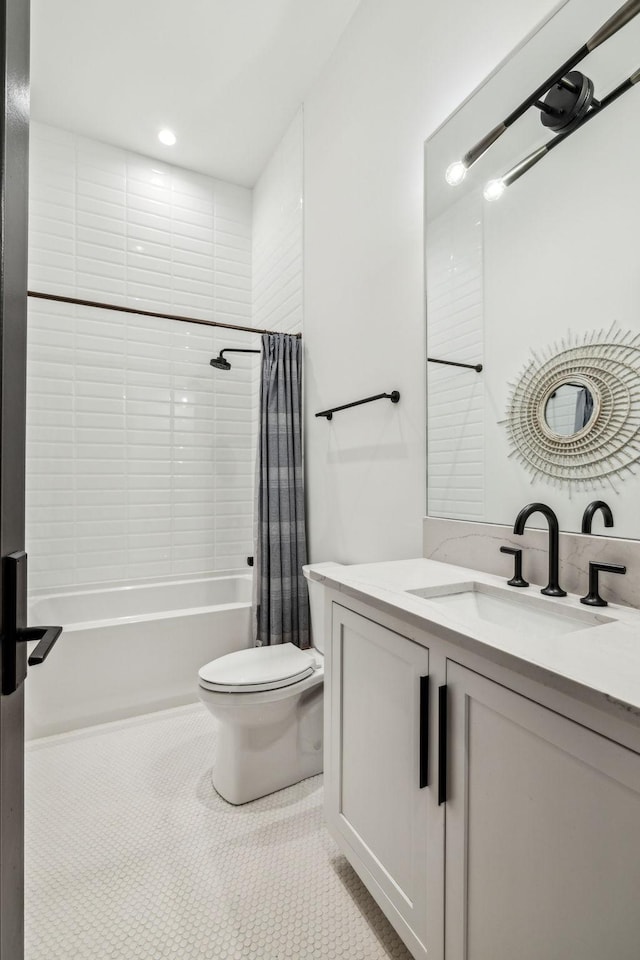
(442, 744)
(424, 731)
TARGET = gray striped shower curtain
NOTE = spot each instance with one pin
(281, 602)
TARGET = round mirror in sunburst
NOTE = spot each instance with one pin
(573, 415)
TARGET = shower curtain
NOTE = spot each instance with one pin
(281, 602)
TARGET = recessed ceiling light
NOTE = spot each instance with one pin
(167, 137)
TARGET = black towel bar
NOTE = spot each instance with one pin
(394, 396)
(454, 363)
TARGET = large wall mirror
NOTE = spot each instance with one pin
(542, 287)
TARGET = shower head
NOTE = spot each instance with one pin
(220, 363)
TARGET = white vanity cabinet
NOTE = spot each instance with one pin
(534, 853)
(383, 819)
(542, 832)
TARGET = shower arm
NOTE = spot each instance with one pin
(221, 364)
(237, 350)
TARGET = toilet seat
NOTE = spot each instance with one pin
(257, 669)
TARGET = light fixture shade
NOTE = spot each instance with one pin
(525, 165)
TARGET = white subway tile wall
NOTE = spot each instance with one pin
(277, 236)
(140, 455)
(455, 396)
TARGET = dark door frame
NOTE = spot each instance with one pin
(14, 171)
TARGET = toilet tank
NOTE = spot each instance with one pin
(317, 605)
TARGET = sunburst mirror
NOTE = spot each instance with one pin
(573, 414)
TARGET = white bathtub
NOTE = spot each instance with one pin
(132, 649)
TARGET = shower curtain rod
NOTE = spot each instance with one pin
(56, 298)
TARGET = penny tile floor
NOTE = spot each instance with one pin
(131, 855)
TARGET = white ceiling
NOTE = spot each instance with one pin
(226, 75)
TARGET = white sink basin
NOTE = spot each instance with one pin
(529, 615)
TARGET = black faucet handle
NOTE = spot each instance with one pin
(517, 580)
(593, 598)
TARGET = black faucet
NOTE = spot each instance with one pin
(591, 510)
(553, 588)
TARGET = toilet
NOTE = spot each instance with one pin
(267, 702)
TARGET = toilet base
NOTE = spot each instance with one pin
(250, 798)
(267, 752)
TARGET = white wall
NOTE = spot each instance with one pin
(277, 236)
(401, 67)
(139, 454)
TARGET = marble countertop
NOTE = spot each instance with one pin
(600, 664)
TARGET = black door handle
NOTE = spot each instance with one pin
(15, 631)
(46, 637)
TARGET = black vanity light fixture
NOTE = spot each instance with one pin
(220, 363)
(568, 100)
(495, 188)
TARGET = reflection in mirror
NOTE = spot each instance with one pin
(554, 262)
(569, 409)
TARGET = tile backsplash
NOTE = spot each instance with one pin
(140, 456)
(477, 545)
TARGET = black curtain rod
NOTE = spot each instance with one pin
(56, 298)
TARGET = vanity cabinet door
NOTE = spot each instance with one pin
(542, 832)
(383, 820)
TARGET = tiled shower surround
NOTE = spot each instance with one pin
(140, 456)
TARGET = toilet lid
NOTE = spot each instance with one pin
(257, 669)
